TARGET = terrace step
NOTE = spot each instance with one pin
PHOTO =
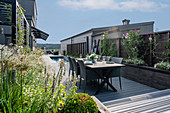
(158, 101)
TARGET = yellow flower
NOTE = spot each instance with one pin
(61, 103)
(24, 102)
(24, 73)
(22, 57)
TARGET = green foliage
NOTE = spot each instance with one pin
(20, 33)
(167, 47)
(93, 56)
(105, 44)
(154, 44)
(80, 103)
(163, 65)
(113, 50)
(135, 61)
(28, 35)
(131, 42)
(74, 55)
(56, 52)
(34, 88)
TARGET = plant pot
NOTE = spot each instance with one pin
(93, 61)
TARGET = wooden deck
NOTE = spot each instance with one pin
(129, 88)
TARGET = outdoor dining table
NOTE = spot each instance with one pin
(104, 71)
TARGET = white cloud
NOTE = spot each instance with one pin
(126, 5)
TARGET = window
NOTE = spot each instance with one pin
(5, 13)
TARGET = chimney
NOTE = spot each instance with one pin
(126, 22)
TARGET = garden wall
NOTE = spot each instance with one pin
(153, 77)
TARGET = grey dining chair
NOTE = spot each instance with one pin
(86, 74)
(75, 67)
(117, 60)
(116, 72)
(70, 66)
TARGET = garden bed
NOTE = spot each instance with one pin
(154, 77)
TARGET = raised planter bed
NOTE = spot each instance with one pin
(154, 77)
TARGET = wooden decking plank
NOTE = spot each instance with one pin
(129, 88)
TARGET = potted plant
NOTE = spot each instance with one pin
(93, 57)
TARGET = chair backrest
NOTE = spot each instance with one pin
(75, 67)
(70, 63)
(82, 69)
(116, 71)
(117, 60)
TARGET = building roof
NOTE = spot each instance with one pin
(104, 29)
(39, 34)
(159, 32)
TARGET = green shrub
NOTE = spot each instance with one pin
(80, 103)
(113, 49)
(105, 44)
(56, 52)
(135, 61)
(131, 42)
(163, 65)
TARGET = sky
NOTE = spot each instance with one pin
(65, 18)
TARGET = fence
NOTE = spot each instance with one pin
(151, 59)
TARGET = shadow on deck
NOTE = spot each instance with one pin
(129, 88)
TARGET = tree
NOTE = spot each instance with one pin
(113, 50)
(105, 45)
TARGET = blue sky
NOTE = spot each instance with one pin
(64, 18)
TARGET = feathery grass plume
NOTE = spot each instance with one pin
(74, 80)
(66, 83)
(53, 84)
(73, 89)
(46, 81)
(61, 72)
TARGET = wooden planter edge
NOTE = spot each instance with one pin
(102, 108)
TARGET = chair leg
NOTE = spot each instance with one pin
(111, 80)
(84, 86)
(120, 82)
(80, 83)
(72, 74)
(69, 73)
(97, 81)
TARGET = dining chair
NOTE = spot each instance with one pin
(75, 67)
(116, 72)
(117, 60)
(70, 66)
(86, 74)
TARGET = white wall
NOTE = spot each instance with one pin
(82, 38)
(64, 45)
(76, 40)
